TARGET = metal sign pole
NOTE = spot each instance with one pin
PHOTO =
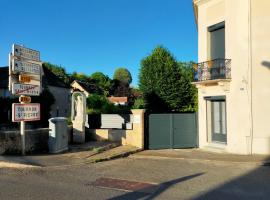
(23, 133)
(23, 137)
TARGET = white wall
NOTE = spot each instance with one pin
(260, 48)
(248, 47)
(62, 101)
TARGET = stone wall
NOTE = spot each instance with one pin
(134, 136)
(36, 141)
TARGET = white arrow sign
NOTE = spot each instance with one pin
(24, 66)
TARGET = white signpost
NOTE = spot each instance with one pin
(25, 112)
(25, 79)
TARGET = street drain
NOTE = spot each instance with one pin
(125, 185)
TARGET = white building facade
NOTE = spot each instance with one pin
(233, 75)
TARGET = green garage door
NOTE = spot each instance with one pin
(172, 131)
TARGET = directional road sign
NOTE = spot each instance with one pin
(25, 89)
(24, 66)
(22, 52)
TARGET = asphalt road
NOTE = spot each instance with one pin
(176, 179)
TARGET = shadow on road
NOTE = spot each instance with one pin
(250, 186)
(160, 189)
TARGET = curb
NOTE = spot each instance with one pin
(255, 163)
(11, 165)
(18, 165)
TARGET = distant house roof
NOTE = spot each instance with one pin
(49, 78)
(88, 88)
(118, 99)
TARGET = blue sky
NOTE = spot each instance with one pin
(98, 35)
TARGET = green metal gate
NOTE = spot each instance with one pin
(172, 131)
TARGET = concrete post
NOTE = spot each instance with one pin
(135, 137)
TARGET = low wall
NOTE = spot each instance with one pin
(36, 141)
(134, 136)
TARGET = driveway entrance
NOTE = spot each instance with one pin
(172, 131)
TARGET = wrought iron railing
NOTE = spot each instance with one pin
(212, 69)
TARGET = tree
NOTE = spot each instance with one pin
(138, 103)
(99, 77)
(136, 97)
(58, 71)
(119, 89)
(80, 77)
(103, 81)
(187, 71)
(165, 85)
(123, 75)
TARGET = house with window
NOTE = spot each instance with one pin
(233, 75)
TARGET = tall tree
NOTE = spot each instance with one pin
(99, 77)
(80, 77)
(119, 89)
(165, 85)
(123, 75)
(103, 81)
(58, 71)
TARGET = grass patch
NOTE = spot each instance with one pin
(98, 149)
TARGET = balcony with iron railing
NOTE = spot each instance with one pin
(212, 71)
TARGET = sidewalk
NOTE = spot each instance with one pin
(198, 154)
(77, 154)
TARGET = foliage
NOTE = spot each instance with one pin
(80, 77)
(58, 71)
(103, 81)
(99, 77)
(188, 72)
(119, 89)
(139, 104)
(123, 75)
(134, 93)
(166, 84)
(98, 104)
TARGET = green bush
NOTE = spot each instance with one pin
(139, 104)
(98, 104)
